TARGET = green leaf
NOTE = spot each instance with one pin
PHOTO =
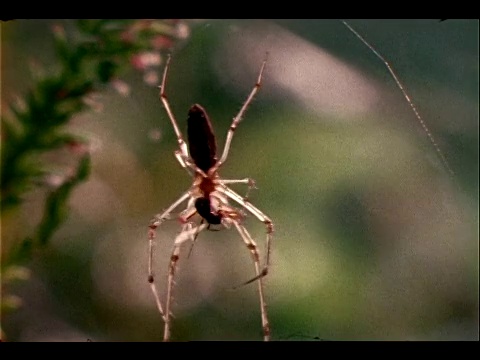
(106, 70)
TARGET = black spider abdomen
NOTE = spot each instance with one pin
(203, 208)
(201, 139)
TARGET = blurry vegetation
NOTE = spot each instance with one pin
(92, 54)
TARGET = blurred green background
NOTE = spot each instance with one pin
(374, 240)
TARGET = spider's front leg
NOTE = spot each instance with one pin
(222, 188)
(222, 192)
(188, 232)
(156, 222)
(252, 246)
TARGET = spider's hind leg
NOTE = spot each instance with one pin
(239, 116)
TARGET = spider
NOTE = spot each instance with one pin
(208, 197)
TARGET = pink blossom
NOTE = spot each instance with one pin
(161, 42)
(143, 60)
(121, 87)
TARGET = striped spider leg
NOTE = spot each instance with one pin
(209, 198)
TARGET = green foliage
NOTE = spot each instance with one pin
(94, 54)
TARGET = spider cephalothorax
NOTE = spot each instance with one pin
(208, 197)
(202, 205)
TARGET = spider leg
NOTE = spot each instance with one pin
(151, 236)
(188, 164)
(163, 98)
(260, 216)
(252, 246)
(238, 118)
(187, 233)
(195, 238)
(248, 181)
(190, 211)
(182, 154)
